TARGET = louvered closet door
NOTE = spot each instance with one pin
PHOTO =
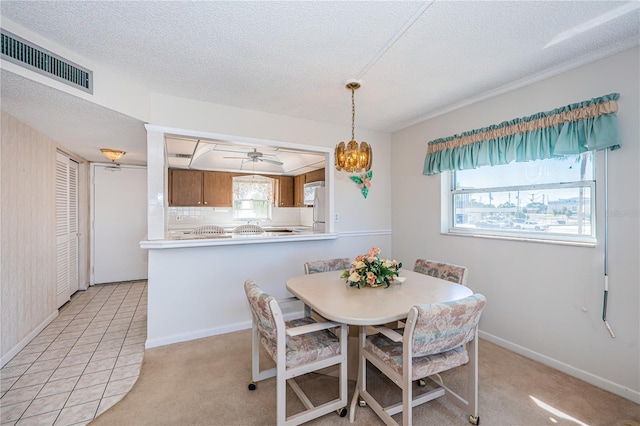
(66, 227)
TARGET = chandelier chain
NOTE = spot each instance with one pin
(353, 114)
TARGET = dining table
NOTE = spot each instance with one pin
(331, 297)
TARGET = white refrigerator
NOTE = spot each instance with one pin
(319, 206)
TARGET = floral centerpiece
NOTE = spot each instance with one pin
(368, 270)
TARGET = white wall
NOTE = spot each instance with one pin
(198, 292)
(536, 292)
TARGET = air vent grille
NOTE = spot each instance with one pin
(35, 58)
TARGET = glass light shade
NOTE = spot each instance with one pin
(353, 158)
(112, 154)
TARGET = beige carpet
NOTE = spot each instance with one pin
(204, 382)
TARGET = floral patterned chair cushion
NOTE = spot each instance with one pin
(301, 349)
(446, 271)
(439, 337)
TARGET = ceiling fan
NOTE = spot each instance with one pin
(256, 156)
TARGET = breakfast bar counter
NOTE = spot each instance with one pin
(180, 239)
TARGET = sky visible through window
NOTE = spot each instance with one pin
(554, 170)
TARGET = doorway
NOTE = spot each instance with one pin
(119, 215)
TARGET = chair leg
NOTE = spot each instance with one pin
(281, 398)
(361, 373)
(407, 403)
(473, 381)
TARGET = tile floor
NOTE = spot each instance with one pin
(82, 363)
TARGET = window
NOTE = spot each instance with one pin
(252, 197)
(551, 199)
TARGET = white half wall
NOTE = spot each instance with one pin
(544, 300)
(198, 292)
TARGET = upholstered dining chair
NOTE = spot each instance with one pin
(298, 347)
(434, 339)
(318, 266)
(248, 229)
(446, 271)
(208, 229)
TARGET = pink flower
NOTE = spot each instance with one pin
(371, 278)
(366, 182)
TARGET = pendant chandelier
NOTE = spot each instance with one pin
(353, 158)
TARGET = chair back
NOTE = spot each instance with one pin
(248, 229)
(208, 229)
(259, 302)
(440, 327)
(445, 271)
(318, 266)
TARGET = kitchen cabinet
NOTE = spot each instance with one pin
(298, 190)
(314, 176)
(185, 187)
(195, 188)
(217, 189)
(285, 191)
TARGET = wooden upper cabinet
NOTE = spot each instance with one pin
(218, 189)
(298, 190)
(193, 188)
(185, 187)
(285, 191)
(314, 176)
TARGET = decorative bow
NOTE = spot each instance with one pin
(364, 182)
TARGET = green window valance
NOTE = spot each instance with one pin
(585, 126)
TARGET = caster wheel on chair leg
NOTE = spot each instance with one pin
(362, 403)
(252, 386)
(342, 412)
(474, 420)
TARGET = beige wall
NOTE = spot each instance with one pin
(27, 230)
(544, 300)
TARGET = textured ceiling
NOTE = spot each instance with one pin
(415, 59)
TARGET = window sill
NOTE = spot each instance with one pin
(525, 238)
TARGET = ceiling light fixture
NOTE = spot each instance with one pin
(112, 154)
(352, 157)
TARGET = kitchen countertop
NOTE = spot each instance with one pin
(275, 234)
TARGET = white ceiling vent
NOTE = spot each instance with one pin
(31, 56)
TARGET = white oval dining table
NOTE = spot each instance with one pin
(329, 295)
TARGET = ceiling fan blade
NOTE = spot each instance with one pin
(278, 163)
(237, 158)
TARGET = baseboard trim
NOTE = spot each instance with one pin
(24, 342)
(185, 337)
(177, 338)
(600, 382)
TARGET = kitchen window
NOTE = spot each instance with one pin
(252, 197)
(550, 199)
